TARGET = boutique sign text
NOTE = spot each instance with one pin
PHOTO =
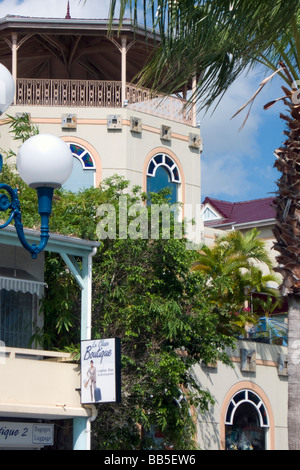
(26, 434)
(100, 371)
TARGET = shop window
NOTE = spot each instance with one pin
(246, 422)
(84, 169)
(16, 318)
(162, 172)
(20, 294)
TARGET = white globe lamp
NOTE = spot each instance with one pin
(44, 160)
(7, 89)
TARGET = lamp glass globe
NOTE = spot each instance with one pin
(44, 160)
(7, 89)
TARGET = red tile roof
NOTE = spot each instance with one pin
(241, 212)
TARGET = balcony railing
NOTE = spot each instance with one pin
(100, 94)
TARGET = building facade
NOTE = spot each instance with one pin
(77, 79)
(250, 411)
(40, 390)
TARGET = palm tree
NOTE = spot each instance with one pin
(232, 253)
(238, 257)
(217, 41)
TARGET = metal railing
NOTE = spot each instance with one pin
(101, 94)
(269, 331)
(46, 92)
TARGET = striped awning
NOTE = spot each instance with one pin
(20, 281)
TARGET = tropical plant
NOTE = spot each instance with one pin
(240, 258)
(145, 293)
(217, 41)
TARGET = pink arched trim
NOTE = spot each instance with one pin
(93, 152)
(172, 155)
(254, 388)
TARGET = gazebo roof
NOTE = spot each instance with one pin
(73, 48)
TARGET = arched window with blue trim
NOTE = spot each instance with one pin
(84, 169)
(163, 172)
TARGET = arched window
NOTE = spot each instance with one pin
(84, 169)
(162, 172)
(83, 156)
(246, 422)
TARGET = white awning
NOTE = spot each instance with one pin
(22, 285)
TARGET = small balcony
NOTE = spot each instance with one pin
(100, 94)
(41, 384)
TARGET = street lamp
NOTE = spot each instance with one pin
(7, 89)
(44, 162)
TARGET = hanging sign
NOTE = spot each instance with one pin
(101, 371)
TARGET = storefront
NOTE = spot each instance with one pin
(25, 435)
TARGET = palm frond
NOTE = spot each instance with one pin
(216, 41)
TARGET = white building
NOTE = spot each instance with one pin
(251, 402)
(78, 82)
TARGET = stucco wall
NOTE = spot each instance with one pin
(222, 382)
(120, 151)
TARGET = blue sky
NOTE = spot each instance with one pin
(236, 165)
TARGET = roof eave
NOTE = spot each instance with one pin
(56, 243)
(90, 25)
(245, 225)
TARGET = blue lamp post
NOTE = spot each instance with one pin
(44, 162)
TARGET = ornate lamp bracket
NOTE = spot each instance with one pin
(11, 203)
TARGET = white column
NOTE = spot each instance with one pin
(83, 276)
(123, 67)
(14, 57)
(194, 107)
(86, 296)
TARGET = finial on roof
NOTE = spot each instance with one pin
(68, 16)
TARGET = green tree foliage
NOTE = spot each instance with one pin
(167, 315)
(145, 293)
(238, 258)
